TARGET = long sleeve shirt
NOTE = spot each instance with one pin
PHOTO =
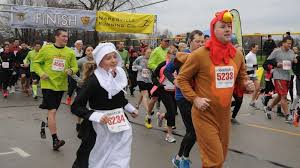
(53, 61)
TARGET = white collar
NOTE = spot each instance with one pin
(113, 85)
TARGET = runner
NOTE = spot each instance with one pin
(157, 56)
(251, 63)
(124, 54)
(144, 77)
(24, 71)
(284, 57)
(215, 69)
(132, 71)
(87, 57)
(166, 91)
(7, 61)
(238, 95)
(28, 63)
(102, 144)
(53, 63)
(196, 40)
(296, 69)
(72, 83)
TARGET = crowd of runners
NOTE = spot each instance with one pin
(201, 80)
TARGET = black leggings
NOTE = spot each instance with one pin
(168, 99)
(189, 138)
(268, 88)
(291, 88)
(133, 82)
(72, 86)
(14, 80)
(237, 103)
(88, 136)
(6, 77)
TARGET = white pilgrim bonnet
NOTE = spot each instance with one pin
(113, 85)
(105, 48)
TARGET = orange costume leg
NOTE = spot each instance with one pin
(212, 139)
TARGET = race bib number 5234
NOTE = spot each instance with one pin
(224, 76)
(117, 121)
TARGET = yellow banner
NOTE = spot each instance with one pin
(123, 22)
(237, 27)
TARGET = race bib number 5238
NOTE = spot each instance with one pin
(224, 76)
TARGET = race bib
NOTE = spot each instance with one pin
(146, 73)
(5, 64)
(117, 121)
(224, 76)
(286, 65)
(134, 68)
(58, 64)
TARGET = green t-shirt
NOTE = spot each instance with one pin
(29, 59)
(157, 56)
(53, 62)
(125, 58)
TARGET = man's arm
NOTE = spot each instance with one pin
(186, 75)
(39, 59)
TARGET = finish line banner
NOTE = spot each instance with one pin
(123, 22)
(47, 18)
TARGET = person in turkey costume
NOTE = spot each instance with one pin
(207, 79)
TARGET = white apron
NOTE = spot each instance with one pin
(111, 150)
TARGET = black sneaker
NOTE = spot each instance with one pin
(235, 122)
(57, 144)
(77, 127)
(43, 134)
(35, 97)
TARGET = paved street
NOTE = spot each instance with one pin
(256, 143)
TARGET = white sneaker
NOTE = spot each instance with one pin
(12, 89)
(289, 119)
(170, 139)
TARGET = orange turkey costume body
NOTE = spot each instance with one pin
(214, 69)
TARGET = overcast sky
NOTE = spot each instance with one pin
(263, 16)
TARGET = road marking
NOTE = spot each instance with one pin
(18, 151)
(7, 153)
(274, 129)
(21, 152)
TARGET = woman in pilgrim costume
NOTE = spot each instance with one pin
(108, 144)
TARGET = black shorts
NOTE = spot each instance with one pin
(144, 86)
(51, 99)
(25, 71)
(35, 76)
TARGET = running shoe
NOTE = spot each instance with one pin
(289, 119)
(12, 89)
(68, 100)
(253, 105)
(170, 139)
(148, 122)
(57, 144)
(35, 97)
(185, 163)
(43, 134)
(235, 121)
(176, 162)
(159, 119)
(263, 99)
(5, 94)
(296, 119)
(268, 112)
